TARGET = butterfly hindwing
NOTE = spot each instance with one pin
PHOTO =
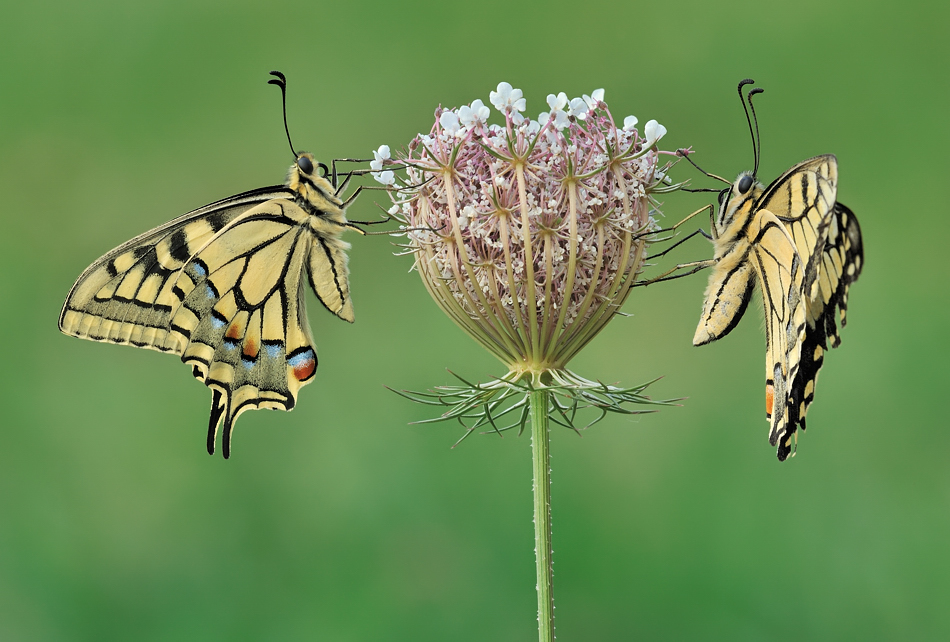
(242, 315)
(840, 262)
(778, 268)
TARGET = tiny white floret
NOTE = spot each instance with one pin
(450, 122)
(558, 102)
(593, 101)
(477, 113)
(579, 108)
(381, 155)
(386, 178)
(506, 98)
(654, 131)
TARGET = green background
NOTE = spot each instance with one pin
(341, 522)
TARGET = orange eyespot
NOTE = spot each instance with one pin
(304, 363)
(769, 399)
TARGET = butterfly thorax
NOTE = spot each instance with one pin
(317, 196)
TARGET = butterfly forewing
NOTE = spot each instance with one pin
(126, 297)
(803, 199)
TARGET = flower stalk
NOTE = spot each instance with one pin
(543, 550)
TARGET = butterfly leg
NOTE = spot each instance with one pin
(695, 266)
(673, 228)
(341, 187)
(334, 175)
(359, 189)
(680, 242)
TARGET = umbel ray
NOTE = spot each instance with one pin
(803, 249)
(223, 288)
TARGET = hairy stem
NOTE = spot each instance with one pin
(541, 457)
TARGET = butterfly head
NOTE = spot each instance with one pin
(307, 176)
(736, 201)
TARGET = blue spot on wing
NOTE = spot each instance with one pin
(302, 358)
(274, 349)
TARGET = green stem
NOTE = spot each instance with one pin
(541, 457)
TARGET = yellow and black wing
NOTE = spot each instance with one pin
(779, 271)
(828, 239)
(242, 317)
(222, 288)
(125, 297)
(839, 264)
(803, 199)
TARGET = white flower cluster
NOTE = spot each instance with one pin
(511, 103)
(532, 224)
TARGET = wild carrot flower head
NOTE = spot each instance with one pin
(529, 235)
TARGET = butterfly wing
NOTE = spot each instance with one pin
(242, 317)
(222, 288)
(828, 238)
(780, 273)
(839, 265)
(125, 297)
(803, 199)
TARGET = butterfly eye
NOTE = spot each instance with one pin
(304, 164)
(745, 184)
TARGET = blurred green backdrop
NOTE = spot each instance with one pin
(339, 521)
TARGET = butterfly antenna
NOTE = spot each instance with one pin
(281, 81)
(755, 120)
(748, 118)
(682, 153)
